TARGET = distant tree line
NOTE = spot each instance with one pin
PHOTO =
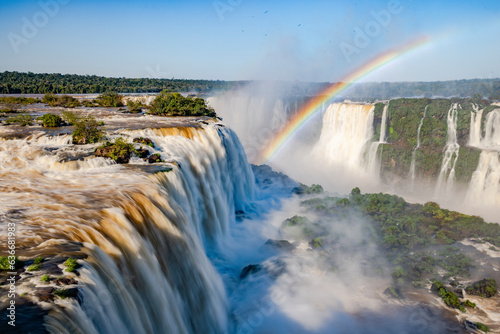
(34, 83)
(488, 88)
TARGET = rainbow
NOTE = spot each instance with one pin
(315, 103)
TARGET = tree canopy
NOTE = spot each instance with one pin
(174, 104)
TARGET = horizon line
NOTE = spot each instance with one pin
(250, 80)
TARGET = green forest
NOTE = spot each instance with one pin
(35, 83)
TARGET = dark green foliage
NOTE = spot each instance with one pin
(31, 83)
(377, 120)
(449, 297)
(393, 292)
(71, 265)
(316, 242)
(468, 303)
(174, 104)
(295, 221)
(109, 99)
(299, 228)
(45, 278)
(69, 117)
(8, 110)
(482, 327)
(135, 107)
(484, 288)
(50, 99)
(303, 189)
(119, 150)
(87, 131)
(38, 260)
(403, 231)
(468, 159)
(5, 264)
(144, 141)
(34, 267)
(65, 101)
(51, 120)
(66, 293)
(457, 264)
(18, 100)
(404, 118)
(22, 120)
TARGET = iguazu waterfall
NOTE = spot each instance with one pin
(414, 152)
(484, 186)
(446, 176)
(141, 236)
(357, 144)
(347, 129)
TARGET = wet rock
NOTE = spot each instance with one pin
(316, 243)
(393, 292)
(113, 152)
(240, 215)
(459, 293)
(145, 141)
(65, 281)
(250, 269)
(280, 244)
(52, 269)
(470, 325)
(45, 294)
(153, 158)
(66, 293)
(484, 288)
(142, 153)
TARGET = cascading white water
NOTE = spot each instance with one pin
(491, 138)
(446, 176)
(414, 152)
(383, 125)
(347, 128)
(255, 118)
(373, 163)
(475, 125)
(484, 187)
(146, 269)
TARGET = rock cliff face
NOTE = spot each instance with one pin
(436, 140)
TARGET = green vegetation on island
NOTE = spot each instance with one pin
(71, 265)
(417, 240)
(87, 130)
(51, 121)
(119, 150)
(22, 120)
(109, 99)
(174, 104)
(484, 288)
(65, 101)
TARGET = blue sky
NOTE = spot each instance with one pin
(247, 40)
